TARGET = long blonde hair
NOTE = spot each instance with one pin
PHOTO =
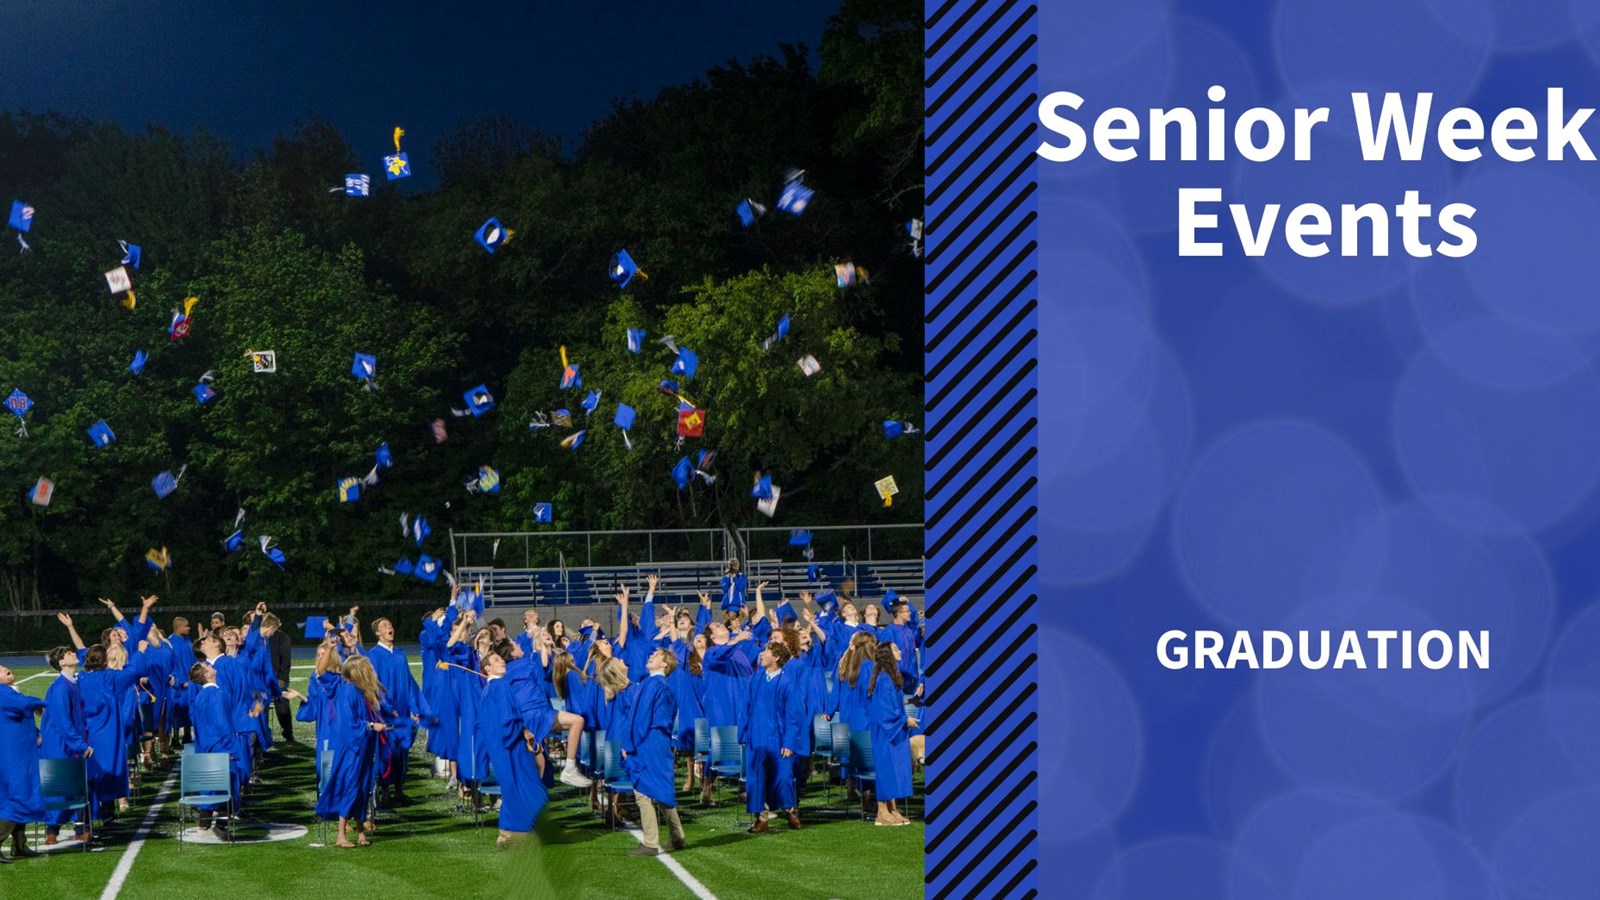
(359, 672)
(116, 656)
(613, 677)
(327, 656)
(860, 652)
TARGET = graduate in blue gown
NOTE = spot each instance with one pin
(316, 705)
(532, 690)
(647, 753)
(734, 586)
(401, 692)
(63, 732)
(514, 753)
(20, 800)
(213, 732)
(444, 730)
(355, 727)
(891, 737)
(105, 694)
(472, 758)
(725, 670)
(770, 729)
(229, 678)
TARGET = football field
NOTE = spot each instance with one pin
(433, 849)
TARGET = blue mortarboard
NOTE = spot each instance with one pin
(101, 433)
(786, 612)
(812, 571)
(763, 488)
(800, 538)
(686, 363)
(625, 416)
(137, 366)
(570, 378)
(420, 529)
(357, 185)
(488, 480)
(427, 568)
(574, 440)
(491, 235)
(670, 388)
(397, 166)
(19, 403)
(683, 473)
(889, 596)
(795, 197)
(203, 393)
(404, 566)
(316, 628)
(271, 552)
(704, 458)
(542, 512)
(828, 601)
(233, 543)
(561, 417)
(783, 327)
(163, 484)
(21, 216)
(591, 402)
(364, 366)
(385, 458)
(636, 340)
(749, 211)
(132, 254)
(479, 400)
(158, 560)
(349, 489)
(892, 429)
(622, 269)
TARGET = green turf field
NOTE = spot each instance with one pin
(430, 850)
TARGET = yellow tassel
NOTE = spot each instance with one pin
(398, 134)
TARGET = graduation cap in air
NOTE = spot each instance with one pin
(316, 628)
(271, 552)
(575, 440)
(569, 372)
(203, 392)
(385, 459)
(893, 429)
(402, 566)
(357, 185)
(887, 489)
(785, 612)
(827, 601)
(801, 538)
(539, 422)
(19, 404)
(769, 506)
(365, 367)
(762, 488)
(349, 489)
(234, 542)
(491, 235)
(479, 401)
(914, 232)
(686, 363)
(623, 268)
(702, 465)
(439, 432)
(417, 529)
(691, 422)
(624, 420)
(812, 571)
(542, 512)
(44, 490)
(795, 197)
(137, 366)
(591, 402)
(778, 335)
(427, 568)
(262, 362)
(562, 418)
(636, 340)
(158, 560)
(398, 165)
(470, 598)
(683, 473)
(21, 217)
(165, 483)
(749, 211)
(488, 480)
(101, 433)
(179, 328)
(846, 274)
(118, 280)
(809, 365)
(132, 255)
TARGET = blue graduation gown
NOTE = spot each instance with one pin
(499, 731)
(726, 672)
(438, 685)
(531, 693)
(648, 740)
(318, 708)
(472, 758)
(20, 800)
(400, 690)
(687, 699)
(734, 588)
(105, 709)
(213, 730)
(355, 748)
(232, 680)
(891, 742)
(762, 730)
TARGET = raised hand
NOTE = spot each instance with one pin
(705, 599)
(622, 595)
(652, 581)
(108, 603)
(147, 602)
(805, 597)
(64, 619)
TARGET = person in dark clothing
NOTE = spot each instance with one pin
(278, 647)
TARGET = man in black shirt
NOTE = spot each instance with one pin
(278, 646)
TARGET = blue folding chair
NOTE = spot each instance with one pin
(488, 786)
(862, 769)
(204, 779)
(613, 776)
(64, 785)
(725, 756)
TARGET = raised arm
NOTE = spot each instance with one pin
(622, 616)
(66, 620)
(112, 605)
(761, 604)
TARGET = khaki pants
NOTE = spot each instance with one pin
(652, 830)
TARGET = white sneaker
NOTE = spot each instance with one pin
(570, 775)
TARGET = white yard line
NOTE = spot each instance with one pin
(33, 676)
(673, 866)
(125, 865)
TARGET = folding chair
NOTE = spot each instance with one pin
(64, 784)
(324, 772)
(616, 780)
(725, 757)
(488, 786)
(204, 780)
(862, 769)
(702, 746)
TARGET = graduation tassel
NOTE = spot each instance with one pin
(25, 247)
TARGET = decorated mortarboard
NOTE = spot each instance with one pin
(809, 365)
(636, 340)
(686, 363)
(846, 274)
(179, 328)
(569, 371)
(384, 458)
(43, 492)
(887, 489)
(702, 465)
(769, 506)
(487, 481)
(166, 482)
(624, 420)
(356, 185)
(623, 269)
(158, 560)
(203, 393)
(398, 165)
(118, 280)
(683, 473)
(542, 512)
(749, 211)
(691, 423)
(574, 441)
(785, 612)
(561, 418)
(101, 433)
(316, 628)
(479, 401)
(761, 489)
(21, 217)
(271, 552)
(349, 489)
(914, 232)
(427, 568)
(132, 255)
(262, 362)
(137, 366)
(491, 235)
(796, 197)
(778, 335)
(19, 404)
(893, 429)
(439, 432)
